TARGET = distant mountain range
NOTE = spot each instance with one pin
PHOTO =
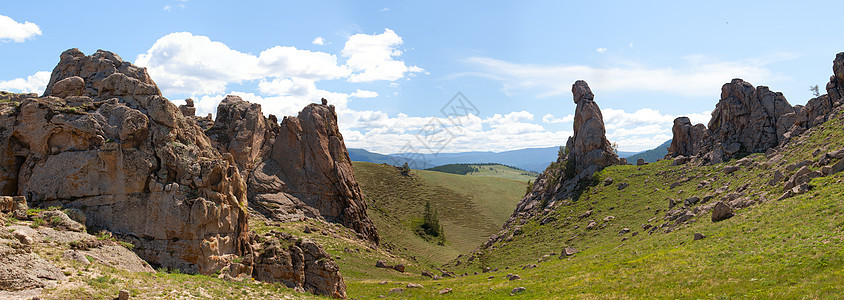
(531, 159)
(651, 155)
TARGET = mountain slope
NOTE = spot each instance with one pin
(470, 208)
(651, 155)
(789, 248)
(489, 170)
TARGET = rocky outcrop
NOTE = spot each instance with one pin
(687, 138)
(240, 129)
(586, 152)
(294, 170)
(104, 141)
(751, 119)
(297, 263)
(589, 145)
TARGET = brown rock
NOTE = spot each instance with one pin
(309, 161)
(115, 153)
(641, 162)
(687, 138)
(298, 263)
(721, 212)
(445, 291)
(699, 236)
(71, 86)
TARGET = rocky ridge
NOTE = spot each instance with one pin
(750, 119)
(103, 142)
(586, 152)
(294, 170)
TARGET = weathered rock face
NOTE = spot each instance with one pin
(589, 145)
(298, 169)
(687, 138)
(746, 119)
(240, 129)
(104, 141)
(587, 152)
(298, 264)
(753, 119)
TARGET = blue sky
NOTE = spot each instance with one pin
(390, 67)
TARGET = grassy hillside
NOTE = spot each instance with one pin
(790, 248)
(490, 170)
(470, 208)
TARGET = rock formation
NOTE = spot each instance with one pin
(298, 169)
(589, 145)
(298, 264)
(102, 140)
(751, 119)
(586, 152)
(687, 138)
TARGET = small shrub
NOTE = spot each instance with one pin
(37, 222)
(126, 245)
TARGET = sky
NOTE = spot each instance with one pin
(440, 76)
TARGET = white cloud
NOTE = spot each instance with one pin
(182, 63)
(549, 118)
(371, 57)
(601, 50)
(318, 41)
(17, 32)
(364, 94)
(630, 45)
(186, 64)
(697, 76)
(35, 83)
(384, 9)
(644, 128)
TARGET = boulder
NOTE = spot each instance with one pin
(298, 263)
(721, 211)
(687, 138)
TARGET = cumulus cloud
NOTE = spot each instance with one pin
(186, 64)
(697, 76)
(35, 83)
(318, 41)
(601, 50)
(17, 32)
(372, 57)
(549, 118)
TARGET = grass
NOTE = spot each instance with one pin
(490, 170)
(791, 248)
(470, 208)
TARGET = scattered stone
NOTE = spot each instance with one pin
(624, 231)
(730, 169)
(608, 181)
(396, 291)
(518, 290)
(608, 218)
(568, 251)
(445, 291)
(429, 274)
(399, 267)
(722, 211)
(414, 286)
(623, 185)
(123, 295)
(699, 236)
(641, 162)
(512, 277)
(691, 201)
